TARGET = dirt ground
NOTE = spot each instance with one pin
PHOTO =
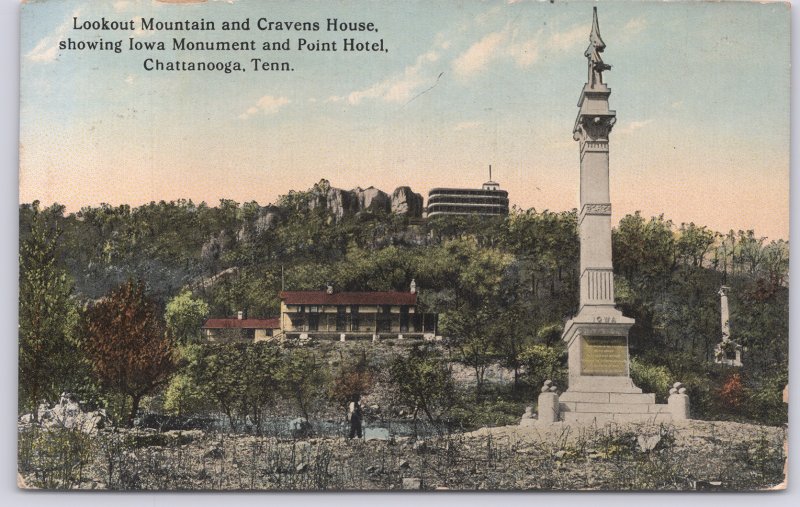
(692, 455)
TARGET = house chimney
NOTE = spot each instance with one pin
(413, 286)
(330, 289)
(240, 315)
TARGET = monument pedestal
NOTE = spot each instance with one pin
(600, 388)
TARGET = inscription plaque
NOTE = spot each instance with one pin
(604, 355)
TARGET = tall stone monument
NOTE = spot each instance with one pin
(600, 387)
(727, 352)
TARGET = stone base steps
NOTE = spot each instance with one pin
(603, 418)
(602, 407)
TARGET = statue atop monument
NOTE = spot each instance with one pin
(592, 53)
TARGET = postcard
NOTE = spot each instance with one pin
(403, 246)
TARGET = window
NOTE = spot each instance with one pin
(384, 319)
(403, 319)
(354, 320)
(341, 318)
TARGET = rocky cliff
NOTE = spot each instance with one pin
(340, 203)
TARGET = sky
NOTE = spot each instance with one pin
(701, 92)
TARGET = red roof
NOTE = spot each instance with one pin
(243, 323)
(348, 298)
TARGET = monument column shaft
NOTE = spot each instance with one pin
(724, 315)
(592, 129)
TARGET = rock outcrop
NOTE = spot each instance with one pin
(269, 218)
(67, 414)
(336, 202)
(406, 202)
(373, 200)
(340, 203)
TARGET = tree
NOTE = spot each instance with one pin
(302, 378)
(48, 356)
(184, 317)
(693, 244)
(184, 394)
(475, 334)
(423, 383)
(242, 378)
(644, 251)
(126, 342)
(354, 379)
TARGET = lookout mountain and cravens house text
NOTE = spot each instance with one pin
(264, 24)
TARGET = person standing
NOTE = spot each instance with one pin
(355, 416)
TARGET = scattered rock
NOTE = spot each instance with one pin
(184, 437)
(412, 483)
(214, 453)
(648, 443)
(302, 467)
(708, 485)
(404, 464)
(67, 414)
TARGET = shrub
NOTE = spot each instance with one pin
(765, 400)
(469, 416)
(56, 456)
(542, 362)
(651, 378)
(732, 392)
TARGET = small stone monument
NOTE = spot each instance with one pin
(727, 351)
(528, 418)
(678, 402)
(548, 403)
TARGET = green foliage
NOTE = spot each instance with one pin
(241, 379)
(57, 457)
(499, 285)
(423, 383)
(644, 251)
(184, 317)
(467, 415)
(652, 379)
(543, 362)
(302, 378)
(765, 399)
(184, 395)
(49, 360)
